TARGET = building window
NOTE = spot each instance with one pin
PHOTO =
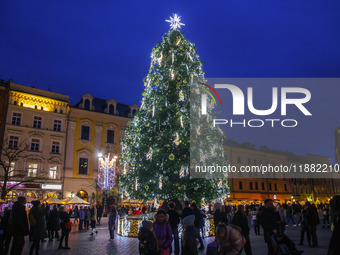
(275, 186)
(53, 172)
(251, 185)
(56, 110)
(110, 137)
(55, 147)
(249, 161)
(256, 185)
(87, 104)
(240, 186)
(37, 122)
(263, 188)
(254, 161)
(85, 133)
(111, 109)
(134, 112)
(270, 186)
(61, 111)
(13, 142)
(285, 187)
(32, 169)
(16, 119)
(35, 144)
(83, 165)
(57, 125)
(238, 159)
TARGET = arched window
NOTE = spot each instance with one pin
(87, 104)
(134, 112)
(83, 195)
(12, 195)
(31, 194)
(112, 109)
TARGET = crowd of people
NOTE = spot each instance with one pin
(162, 237)
(41, 222)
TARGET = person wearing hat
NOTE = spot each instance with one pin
(19, 226)
(36, 218)
(147, 239)
(190, 236)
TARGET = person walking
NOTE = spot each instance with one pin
(255, 221)
(112, 222)
(325, 213)
(174, 220)
(19, 226)
(219, 214)
(66, 225)
(37, 218)
(304, 225)
(334, 244)
(313, 220)
(76, 214)
(7, 233)
(289, 216)
(240, 219)
(162, 231)
(147, 240)
(190, 236)
(198, 219)
(81, 218)
(93, 224)
(87, 218)
(186, 210)
(100, 210)
(54, 224)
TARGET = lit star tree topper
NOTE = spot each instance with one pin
(175, 22)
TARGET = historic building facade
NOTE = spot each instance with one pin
(4, 98)
(95, 126)
(38, 119)
(254, 188)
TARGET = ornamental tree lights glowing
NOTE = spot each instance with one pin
(156, 146)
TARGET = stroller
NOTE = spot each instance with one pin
(277, 242)
(281, 243)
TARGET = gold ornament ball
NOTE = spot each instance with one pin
(171, 156)
(146, 187)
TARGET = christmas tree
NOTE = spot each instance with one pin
(163, 142)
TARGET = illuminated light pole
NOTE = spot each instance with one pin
(106, 175)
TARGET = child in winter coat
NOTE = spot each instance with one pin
(147, 239)
(163, 233)
(190, 236)
(230, 241)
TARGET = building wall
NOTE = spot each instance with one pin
(99, 123)
(49, 106)
(4, 97)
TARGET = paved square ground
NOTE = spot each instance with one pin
(82, 243)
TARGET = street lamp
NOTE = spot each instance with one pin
(106, 174)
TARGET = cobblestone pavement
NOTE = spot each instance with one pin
(81, 243)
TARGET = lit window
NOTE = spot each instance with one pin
(16, 119)
(85, 133)
(83, 165)
(53, 172)
(55, 147)
(37, 122)
(57, 125)
(13, 142)
(32, 169)
(110, 136)
(11, 169)
(35, 144)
